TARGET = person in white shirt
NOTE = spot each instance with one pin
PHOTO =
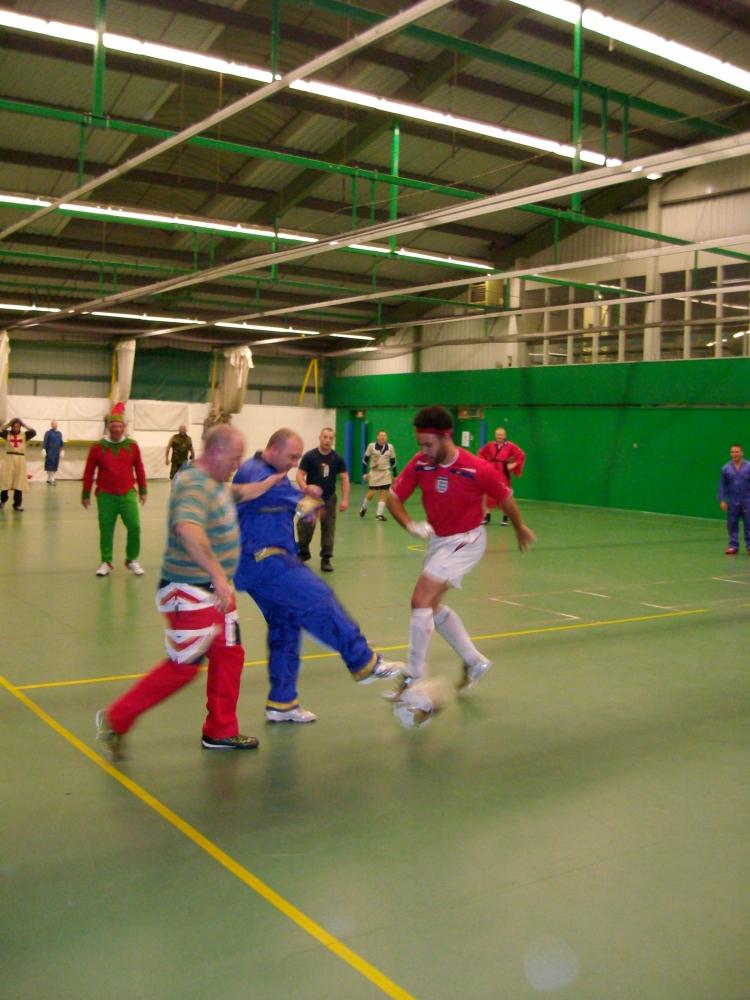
(378, 471)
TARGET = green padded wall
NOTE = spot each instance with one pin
(635, 436)
(168, 373)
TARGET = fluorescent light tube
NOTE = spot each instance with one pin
(146, 318)
(15, 307)
(264, 328)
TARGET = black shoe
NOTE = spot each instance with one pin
(380, 517)
(304, 555)
(486, 519)
(230, 743)
(17, 508)
(504, 523)
(325, 566)
(362, 511)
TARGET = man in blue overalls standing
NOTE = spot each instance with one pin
(734, 498)
(290, 596)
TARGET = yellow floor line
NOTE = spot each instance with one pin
(290, 911)
(389, 649)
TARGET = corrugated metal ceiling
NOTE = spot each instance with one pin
(40, 155)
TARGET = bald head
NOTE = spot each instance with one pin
(284, 449)
(223, 447)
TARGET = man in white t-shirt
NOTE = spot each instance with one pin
(378, 471)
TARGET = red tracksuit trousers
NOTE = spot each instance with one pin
(225, 659)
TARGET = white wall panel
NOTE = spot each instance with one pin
(372, 365)
(257, 423)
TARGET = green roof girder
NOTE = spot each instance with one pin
(482, 52)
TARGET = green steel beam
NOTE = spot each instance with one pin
(97, 104)
(275, 35)
(256, 280)
(542, 279)
(576, 201)
(493, 23)
(224, 146)
(482, 52)
(150, 131)
(393, 206)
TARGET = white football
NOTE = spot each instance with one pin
(422, 700)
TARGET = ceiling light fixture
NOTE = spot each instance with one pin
(351, 336)
(422, 114)
(436, 258)
(15, 307)
(230, 228)
(274, 340)
(267, 329)
(645, 41)
(146, 318)
(181, 57)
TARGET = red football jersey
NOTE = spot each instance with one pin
(451, 494)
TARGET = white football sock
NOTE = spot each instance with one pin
(420, 633)
(452, 629)
(365, 504)
(381, 508)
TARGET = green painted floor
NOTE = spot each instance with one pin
(577, 827)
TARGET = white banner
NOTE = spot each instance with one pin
(125, 354)
(81, 408)
(237, 365)
(151, 415)
(4, 361)
(82, 419)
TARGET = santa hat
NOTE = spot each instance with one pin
(117, 413)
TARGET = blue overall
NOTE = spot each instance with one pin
(290, 596)
(52, 444)
(734, 490)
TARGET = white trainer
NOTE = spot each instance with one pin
(104, 570)
(383, 669)
(135, 567)
(402, 684)
(296, 714)
(471, 674)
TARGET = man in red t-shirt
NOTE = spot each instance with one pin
(453, 482)
(507, 458)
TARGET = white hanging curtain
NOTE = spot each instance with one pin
(237, 364)
(122, 384)
(4, 363)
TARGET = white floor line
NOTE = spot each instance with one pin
(590, 593)
(531, 607)
(728, 579)
(661, 607)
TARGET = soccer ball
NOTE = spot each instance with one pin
(421, 701)
(308, 508)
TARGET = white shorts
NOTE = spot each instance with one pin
(450, 558)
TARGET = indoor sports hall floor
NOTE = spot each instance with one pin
(577, 827)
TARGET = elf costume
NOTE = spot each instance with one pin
(117, 465)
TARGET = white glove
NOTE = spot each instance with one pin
(420, 529)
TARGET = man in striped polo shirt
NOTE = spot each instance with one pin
(197, 597)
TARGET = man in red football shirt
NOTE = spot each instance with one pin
(507, 458)
(453, 482)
